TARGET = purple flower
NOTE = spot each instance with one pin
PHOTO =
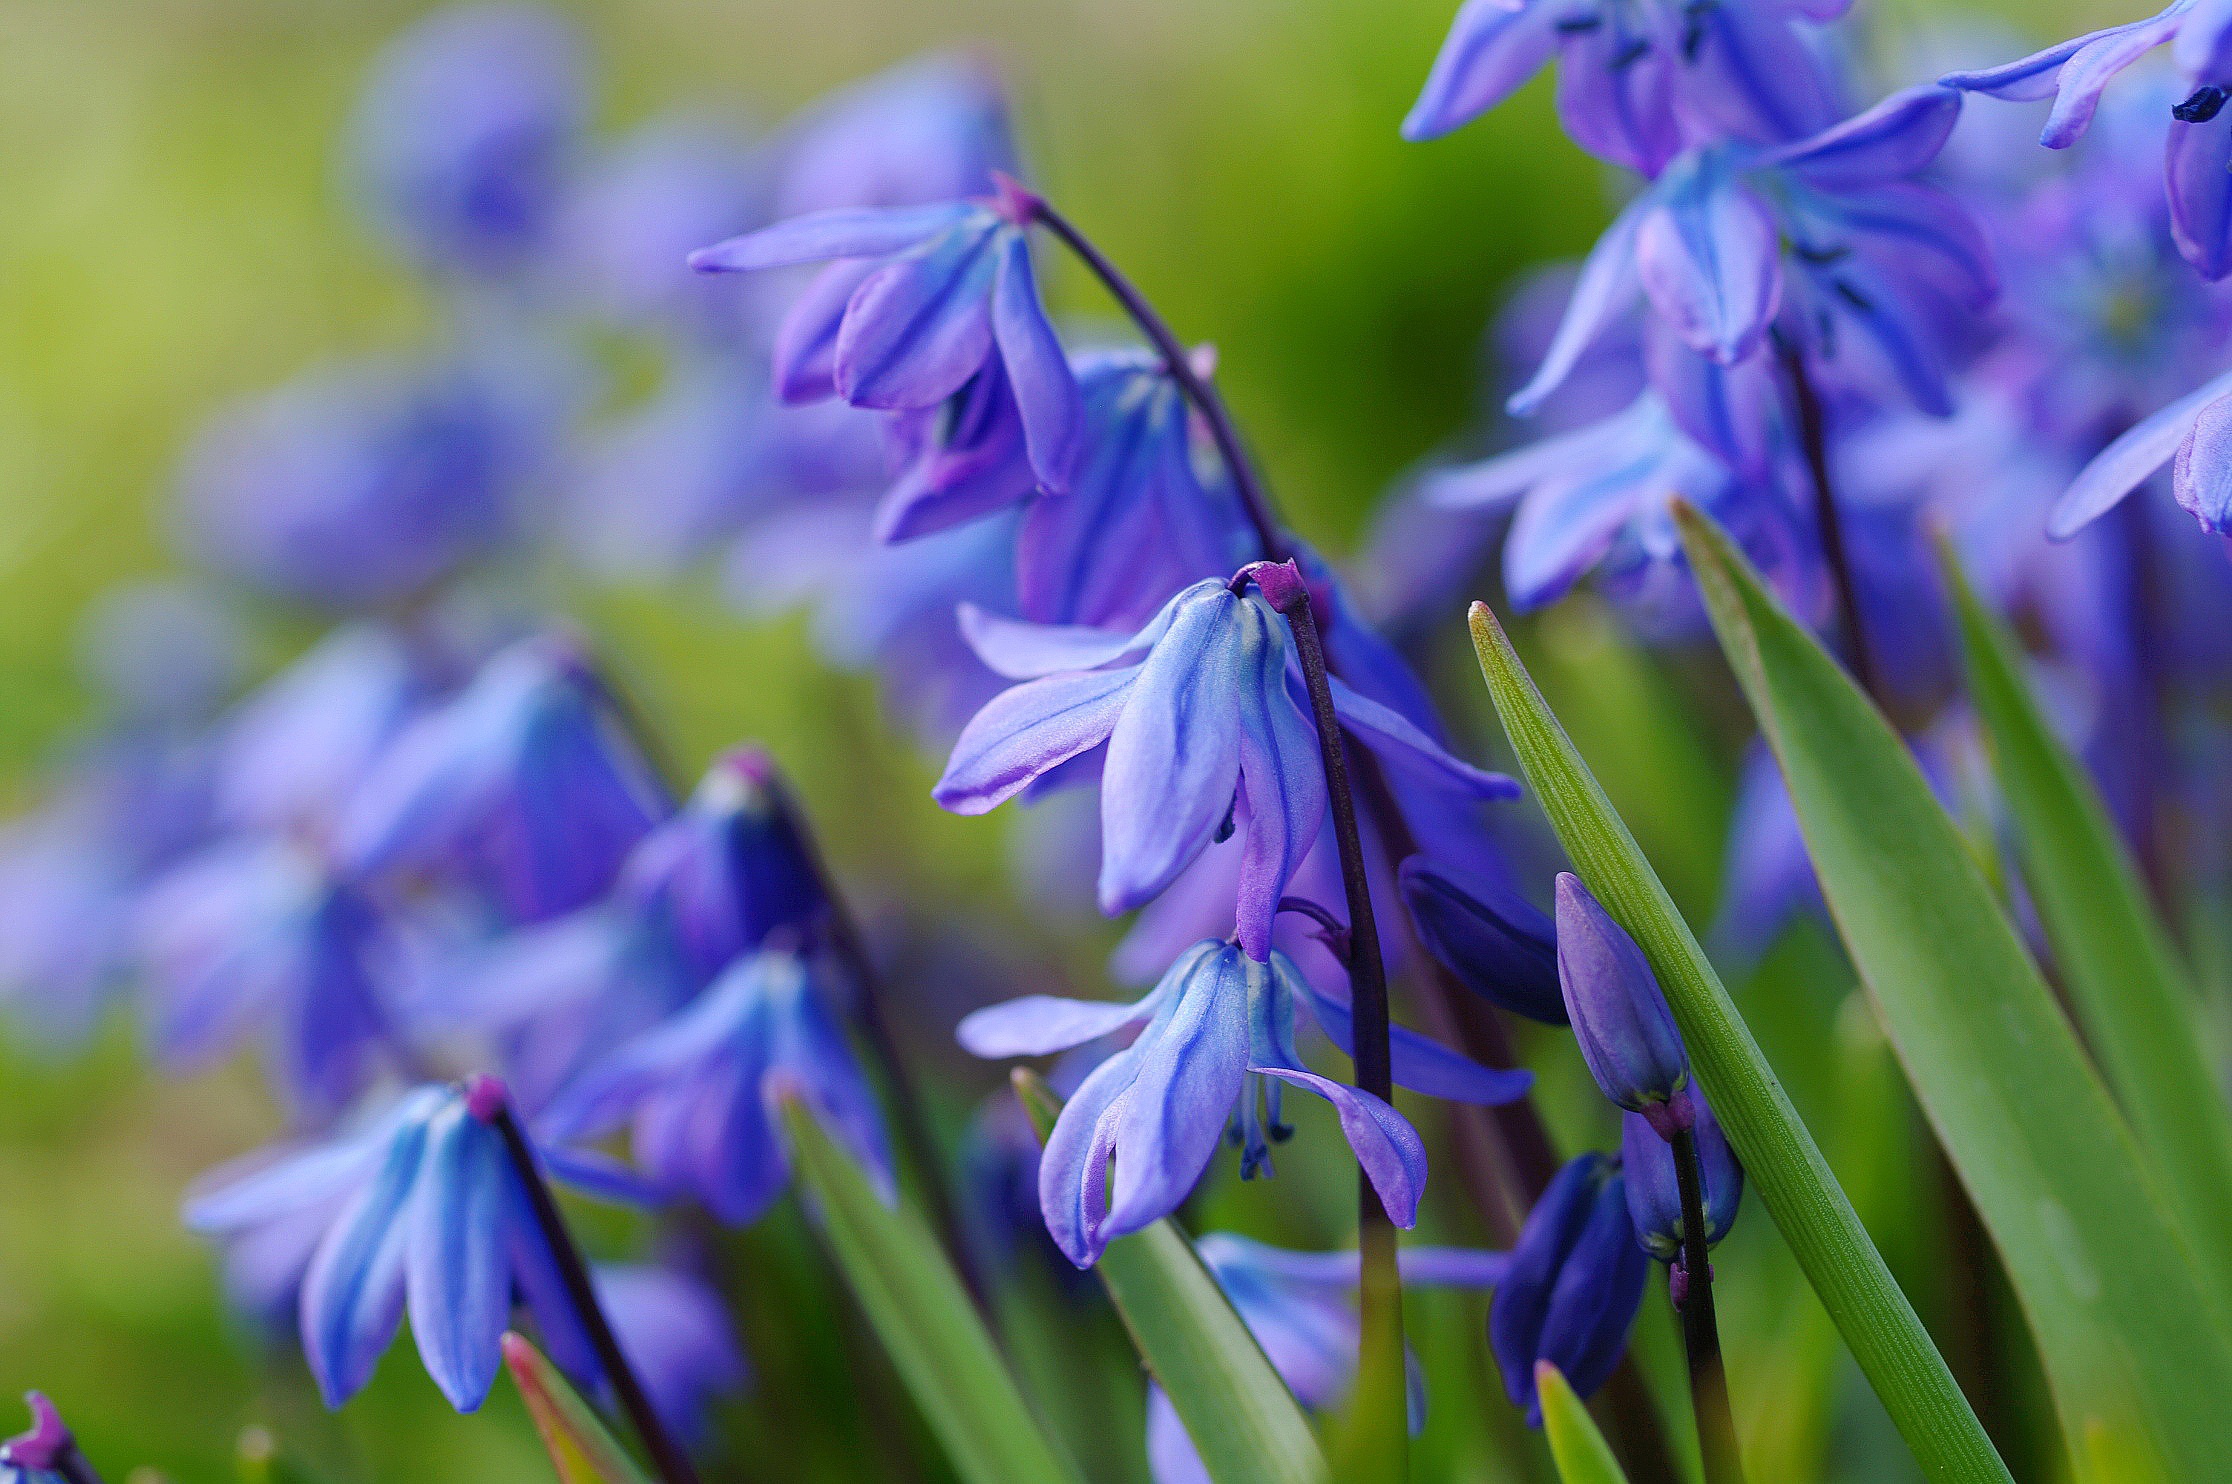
(1654, 1197)
(1497, 942)
(255, 933)
(526, 785)
(1200, 712)
(931, 129)
(1217, 1029)
(1300, 1308)
(1627, 1033)
(420, 1206)
(1637, 78)
(2190, 435)
(916, 302)
(44, 1453)
(675, 1334)
(1573, 1286)
(464, 134)
(362, 484)
(701, 1089)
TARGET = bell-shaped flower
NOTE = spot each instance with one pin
(1627, 1033)
(464, 134)
(1654, 1195)
(1217, 1042)
(675, 1332)
(1201, 712)
(1498, 943)
(1573, 1286)
(1637, 80)
(917, 301)
(526, 786)
(256, 934)
(701, 1089)
(420, 1207)
(1301, 1308)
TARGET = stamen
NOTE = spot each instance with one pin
(2205, 104)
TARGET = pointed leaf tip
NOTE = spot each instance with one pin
(1578, 1449)
(581, 1450)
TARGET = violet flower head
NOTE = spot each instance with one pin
(1301, 1308)
(675, 1333)
(1637, 78)
(701, 1089)
(1573, 1286)
(1654, 1196)
(420, 1207)
(1497, 942)
(1217, 1042)
(1203, 718)
(465, 131)
(915, 302)
(526, 786)
(1627, 1033)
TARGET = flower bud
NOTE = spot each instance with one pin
(1627, 1033)
(1654, 1192)
(1491, 938)
(1573, 1286)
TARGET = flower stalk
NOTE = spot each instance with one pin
(1813, 438)
(1690, 1280)
(489, 1102)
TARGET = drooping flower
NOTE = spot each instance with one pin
(1217, 1040)
(1637, 78)
(1300, 1306)
(1200, 711)
(420, 1206)
(915, 302)
(675, 1333)
(464, 135)
(701, 1089)
(1627, 1033)
(1498, 943)
(1573, 1285)
(1654, 1196)
(526, 785)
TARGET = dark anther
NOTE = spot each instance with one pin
(1854, 297)
(2205, 104)
(1579, 25)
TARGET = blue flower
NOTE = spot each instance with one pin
(255, 933)
(1201, 715)
(675, 1333)
(1654, 1196)
(1637, 77)
(921, 299)
(465, 131)
(526, 785)
(1494, 940)
(931, 129)
(1573, 1286)
(1215, 1029)
(1627, 1033)
(2192, 435)
(1300, 1308)
(701, 1087)
(420, 1207)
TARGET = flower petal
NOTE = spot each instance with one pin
(1396, 740)
(1282, 782)
(805, 350)
(920, 326)
(1493, 47)
(1709, 256)
(1026, 651)
(1420, 1064)
(1389, 1149)
(1028, 729)
(352, 1295)
(2085, 75)
(1045, 387)
(2025, 79)
(1603, 292)
(456, 1276)
(2130, 461)
(2198, 173)
(1173, 1115)
(1073, 1168)
(1896, 138)
(2201, 475)
(1040, 1025)
(848, 232)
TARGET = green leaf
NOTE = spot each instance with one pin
(922, 1314)
(1243, 1421)
(1579, 1450)
(1785, 1165)
(580, 1448)
(2124, 978)
(2138, 1368)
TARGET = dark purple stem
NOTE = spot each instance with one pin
(674, 1466)
(1332, 932)
(1207, 400)
(1691, 1281)
(1813, 437)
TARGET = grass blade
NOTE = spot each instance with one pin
(2130, 992)
(1242, 1418)
(1578, 1449)
(1784, 1164)
(922, 1315)
(2137, 1365)
(580, 1447)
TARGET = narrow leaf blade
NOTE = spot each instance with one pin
(1578, 1449)
(1242, 1418)
(2136, 1363)
(2116, 957)
(923, 1317)
(1780, 1156)
(580, 1448)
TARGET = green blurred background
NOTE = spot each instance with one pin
(171, 235)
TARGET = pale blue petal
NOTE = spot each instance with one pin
(1605, 290)
(1709, 256)
(2130, 461)
(457, 1279)
(2087, 74)
(1045, 388)
(1073, 1168)
(920, 326)
(1026, 731)
(1398, 742)
(1188, 1079)
(1387, 1147)
(1282, 781)
(849, 232)
(1493, 47)
(352, 1294)
(1896, 138)
(2201, 475)
(2198, 173)
(1025, 651)
(1420, 1064)
(1040, 1025)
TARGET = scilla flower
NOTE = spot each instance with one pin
(421, 1207)
(1217, 1040)
(919, 300)
(1654, 1195)
(700, 1089)
(2193, 435)
(1200, 714)
(1573, 1285)
(1301, 1308)
(1627, 1033)
(1496, 941)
